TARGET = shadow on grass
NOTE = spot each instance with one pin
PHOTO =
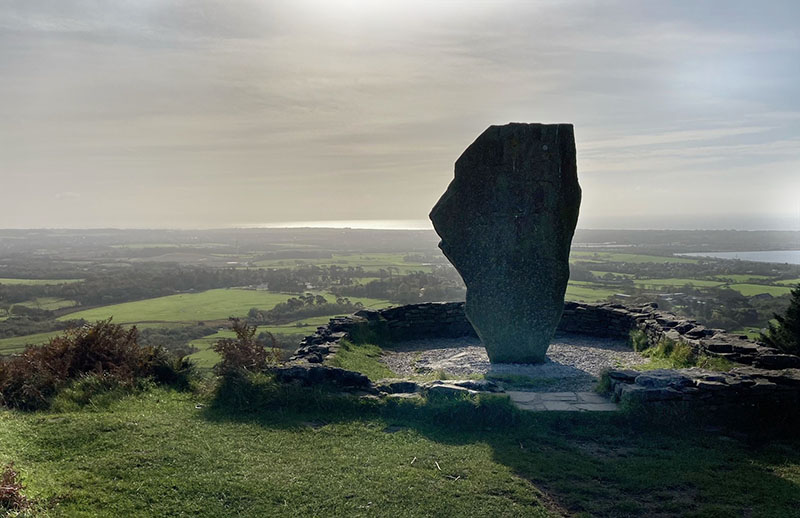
(589, 464)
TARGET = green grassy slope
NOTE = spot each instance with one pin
(158, 454)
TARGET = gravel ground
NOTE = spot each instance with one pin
(574, 362)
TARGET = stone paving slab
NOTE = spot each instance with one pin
(562, 401)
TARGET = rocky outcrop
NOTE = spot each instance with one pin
(506, 223)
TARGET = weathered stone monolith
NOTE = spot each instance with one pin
(506, 223)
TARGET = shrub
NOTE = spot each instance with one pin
(785, 334)
(244, 353)
(604, 383)
(682, 355)
(11, 497)
(638, 340)
(30, 380)
(167, 368)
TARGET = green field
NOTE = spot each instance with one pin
(363, 260)
(369, 262)
(38, 282)
(175, 310)
(749, 290)
(17, 343)
(743, 277)
(48, 303)
(660, 283)
(186, 307)
(612, 257)
(216, 304)
(587, 293)
(789, 282)
(598, 273)
(136, 246)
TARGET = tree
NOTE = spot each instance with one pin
(785, 335)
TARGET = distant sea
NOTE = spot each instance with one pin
(377, 224)
(760, 256)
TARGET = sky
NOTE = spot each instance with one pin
(210, 114)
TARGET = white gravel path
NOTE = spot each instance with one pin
(574, 362)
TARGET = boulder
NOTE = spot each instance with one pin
(506, 223)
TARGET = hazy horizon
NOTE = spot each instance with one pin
(688, 224)
(212, 114)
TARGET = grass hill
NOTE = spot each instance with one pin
(307, 453)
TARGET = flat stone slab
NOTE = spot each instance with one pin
(561, 401)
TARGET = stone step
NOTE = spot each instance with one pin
(562, 401)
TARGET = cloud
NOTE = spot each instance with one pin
(67, 195)
(205, 113)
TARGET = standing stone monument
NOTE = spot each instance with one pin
(506, 223)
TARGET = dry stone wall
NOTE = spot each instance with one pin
(447, 320)
(765, 372)
(740, 387)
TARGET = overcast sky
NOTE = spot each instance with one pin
(196, 113)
